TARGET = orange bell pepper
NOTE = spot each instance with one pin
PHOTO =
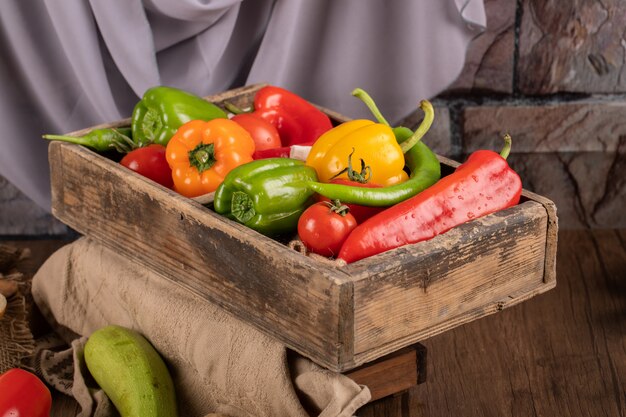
(202, 153)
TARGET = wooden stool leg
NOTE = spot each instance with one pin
(394, 373)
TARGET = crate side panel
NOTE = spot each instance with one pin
(279, 291)
(473, 270)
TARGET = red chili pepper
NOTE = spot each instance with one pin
(298, 122)
(482, 185)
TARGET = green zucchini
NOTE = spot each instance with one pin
(131, 373)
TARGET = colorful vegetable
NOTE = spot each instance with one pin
(420, 160)
(357, 179)
(267, 195)
(162, 110)
(22, 394)
(298, 122)
(131, 372)
(101, 140)
(375, 143)
(150, 161)
(482, 185)
(324, 226)
(263, 133)
(200, 154)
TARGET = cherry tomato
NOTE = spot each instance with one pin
(263, 133)
(23, 394)
(150, 162)
(324, 226)
(360, 213)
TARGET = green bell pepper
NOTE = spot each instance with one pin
(162, 110)
(267, 195)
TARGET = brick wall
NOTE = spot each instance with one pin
(550, 73)
(553, 75)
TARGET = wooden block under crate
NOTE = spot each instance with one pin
(340, 317)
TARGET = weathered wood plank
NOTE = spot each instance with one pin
(549, 273)
(280, 291)
(560, 354)
(414, 293)
(389, 375)
(553, 224)
(217, 258)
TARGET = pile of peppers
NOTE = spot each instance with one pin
(397, 195)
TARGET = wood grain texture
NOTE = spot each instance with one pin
(261, 281)
(392, 374)
(413, 294)
(310, 306)
(560, 354)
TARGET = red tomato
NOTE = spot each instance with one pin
(23, 394)
(324, 226)
(360, 213)
(263, 133)
(150, 162)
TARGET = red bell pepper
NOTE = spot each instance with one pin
(298, 122)
(482, 185)
(23, 394)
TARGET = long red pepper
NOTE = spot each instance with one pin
(482, 185)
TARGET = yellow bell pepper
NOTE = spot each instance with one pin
(374, 143)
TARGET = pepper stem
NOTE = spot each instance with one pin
(504, 153)
(362, 177)
(369, 102)
(429, 116)
(202, 157)
(72, 139)
(242, 207)
(234, 109)
(335, 206)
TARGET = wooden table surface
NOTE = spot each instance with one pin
(562, 353)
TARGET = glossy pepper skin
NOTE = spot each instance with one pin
(482, 185)
(298, 122)
(372, 142)
(420, 160)
(101, 140)
(267, 195)
(200, 154)
(162, 110)
(23, 394)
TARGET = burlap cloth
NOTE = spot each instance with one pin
(219, 364)
(16, 339)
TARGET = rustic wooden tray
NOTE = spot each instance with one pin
(340, 317)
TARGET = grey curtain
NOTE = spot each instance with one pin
(70, 64)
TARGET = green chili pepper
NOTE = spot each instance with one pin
(162, 110)
(421, 161)
(267, 195)
(101, 140)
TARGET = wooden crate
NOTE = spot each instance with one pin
(340, 317)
